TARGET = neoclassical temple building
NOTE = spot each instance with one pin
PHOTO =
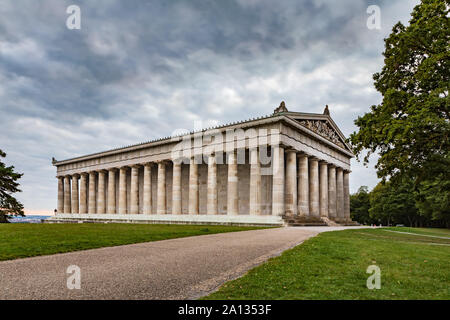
(285, 168)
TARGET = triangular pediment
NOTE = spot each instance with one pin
(321, 125)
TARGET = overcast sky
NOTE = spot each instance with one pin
(138, 70)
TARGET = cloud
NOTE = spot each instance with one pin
(140, 70)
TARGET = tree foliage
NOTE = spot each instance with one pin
(402, 203)
(390, 205)
(410, 128)
(8, 186)
(360, 205)
(432, 202)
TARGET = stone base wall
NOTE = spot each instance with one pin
(249, 220)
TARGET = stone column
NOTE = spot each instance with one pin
(176, 187)
(123, 191)
(332, 192)
(314, 209)
(91, 207)
(340, 194)
(193, 187)
(323, 187)
(101, 196)
(291, 182)
(232, 185)
(112, 191)
(147, 208)
(255, 182)
(67, 202)
(347, 196)
(211, 202)
(83, 192)
(303, 185)
(75, 197)
(161, 192)
(278, 185)
(134, 192)
(60, 207)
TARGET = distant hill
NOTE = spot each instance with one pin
(28, 219)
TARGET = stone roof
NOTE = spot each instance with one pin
(280, 111)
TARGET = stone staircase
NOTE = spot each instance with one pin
(314, 221)
(297, 221)
(330, 222)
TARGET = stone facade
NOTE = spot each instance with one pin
(259, 171)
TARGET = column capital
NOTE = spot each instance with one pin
(279, 145)
(83, 174)
(76, 175)
(136, 165)
(302, 154)
(112, 169)
(198, 158)
(290, 150)
(177, 161)
(212, 157)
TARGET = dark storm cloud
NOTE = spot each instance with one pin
(139, 70)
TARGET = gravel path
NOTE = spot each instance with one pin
(184, 268)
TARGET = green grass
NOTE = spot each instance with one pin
(426, 231)
(27, 240)
(333, 266)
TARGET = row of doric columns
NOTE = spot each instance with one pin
(301, 185)
(316, 188)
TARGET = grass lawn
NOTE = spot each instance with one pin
(26, 240)
(333, 266)
(425, 231)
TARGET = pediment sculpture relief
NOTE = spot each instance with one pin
(323, 129)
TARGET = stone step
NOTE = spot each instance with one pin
(312, 224)
(303, 221)
(330, 222)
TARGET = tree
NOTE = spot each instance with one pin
(8, 185)
(432, 203)
(378, 211)
(391, 203)
(410, 128)
(360, 205)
